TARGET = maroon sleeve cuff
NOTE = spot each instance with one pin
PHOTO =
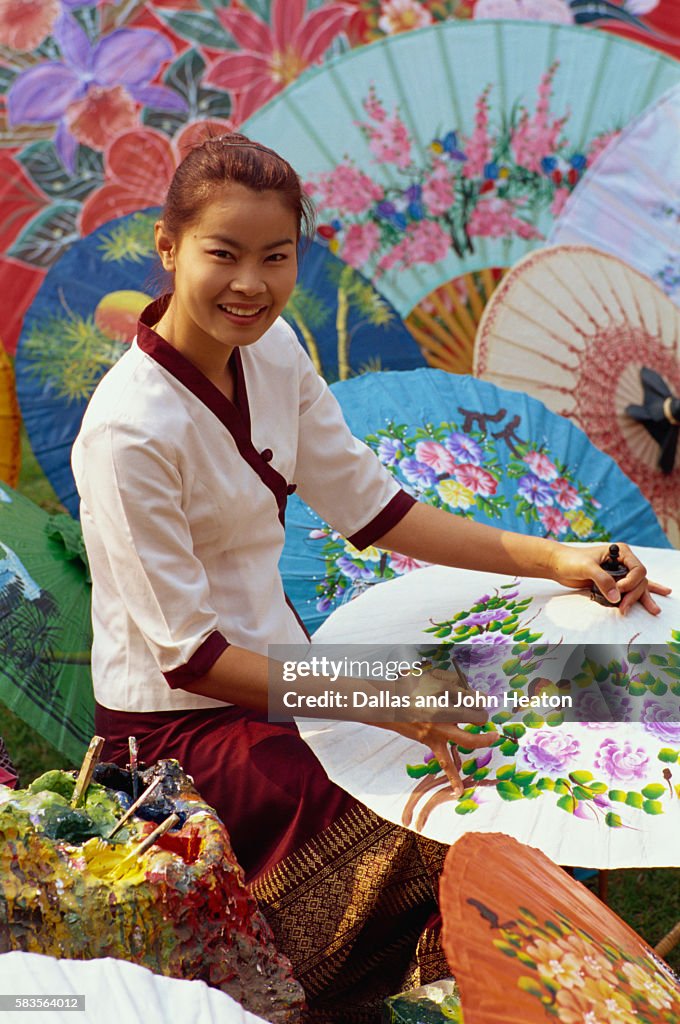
(200, 662)
(394, 511)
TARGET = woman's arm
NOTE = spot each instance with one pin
(433, 535)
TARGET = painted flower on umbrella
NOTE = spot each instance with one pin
(551, 750)
(418, 473)
(662, 720)
(644, 981)
(455, 495)
(403, 564)
(541, 466)
(535, 491)
(621, 760)
(553, 521)
(390, 450)
(435, 455)
(272, 54)
(93, 91)
(566, 495)
(479, 480)
(403, 16)
(465, 448)
(595, 1001)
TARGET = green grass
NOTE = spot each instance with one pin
(649, 901)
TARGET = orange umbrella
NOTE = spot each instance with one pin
(527, 943)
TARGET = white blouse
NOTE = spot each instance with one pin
(183, 497)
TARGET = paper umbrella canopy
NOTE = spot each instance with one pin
(628, 202)
(45, 627)
(528, 944)
(85, 316)
(593, 781)
(120, 991)
(598, 342)
(476, 450)
(440, 151)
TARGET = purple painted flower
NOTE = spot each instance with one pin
(488, 648)
(536, 492)
(389, 451)
(354, 571)
(118, 68)
(551, 750)
(465, 448)
(485, 617)
(621, 760)
(323, 604)
(662, 720)
(418, 473)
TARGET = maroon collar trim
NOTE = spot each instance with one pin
(234, 415)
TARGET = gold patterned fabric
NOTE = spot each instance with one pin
(355, 909)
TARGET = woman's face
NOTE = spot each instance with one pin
(234, 269)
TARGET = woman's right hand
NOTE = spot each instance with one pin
(438, 738)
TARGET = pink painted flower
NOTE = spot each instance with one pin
(360, 241)
(272, 54)
(538, 136)
(438, 194)
(388, 137)
(403, 564)
(557, 11)
(435, 455)
(600, 143)
(495, 218)
(559, 199)
(478, 148)
(25, 23)
(344, 188)
(105, 112)
(550, 750)
(402, 16)
(424, 242)
(553, 520)
(565, 494)
(477, 479)
(541, 465)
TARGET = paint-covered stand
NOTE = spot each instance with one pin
(180, 908)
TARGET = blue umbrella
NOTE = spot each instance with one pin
(496, 456)
(85, 314)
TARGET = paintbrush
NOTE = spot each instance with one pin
(133, 807)
(87, 770)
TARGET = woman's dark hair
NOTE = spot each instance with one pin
(235, 159)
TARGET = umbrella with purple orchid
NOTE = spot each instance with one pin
(109, 77)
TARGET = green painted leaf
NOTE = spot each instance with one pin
(659, 688)
(636, 688)
(613, 820)
(567, 803)
(658, 659)
(634, 799)
(511, 665)
(653, 790)
(597, 787)
(546, 784)
(562, 786)
(197, 27)
(618, 795)
(506, 771)
(515, 729)
(47, 235)
(668, 755)
(417, 771)
(581, 777)
(481, 773)
(634, 657)
(652, 807)
(509, 748)
(509, 791)
(524, 778)
(465, 807)
(582, 794)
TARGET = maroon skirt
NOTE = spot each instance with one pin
(351, 898)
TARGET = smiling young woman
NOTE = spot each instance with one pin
(187, 453)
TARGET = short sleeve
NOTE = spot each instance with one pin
(338, 475)
(132, 516)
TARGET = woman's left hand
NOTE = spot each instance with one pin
(577, 567)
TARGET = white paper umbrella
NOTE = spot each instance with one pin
(598, 795)
(114, 991)
(628, 202)
(574, 327)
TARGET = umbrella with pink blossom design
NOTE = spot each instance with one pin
(586, 702)
(441, 151)
(477, 451)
